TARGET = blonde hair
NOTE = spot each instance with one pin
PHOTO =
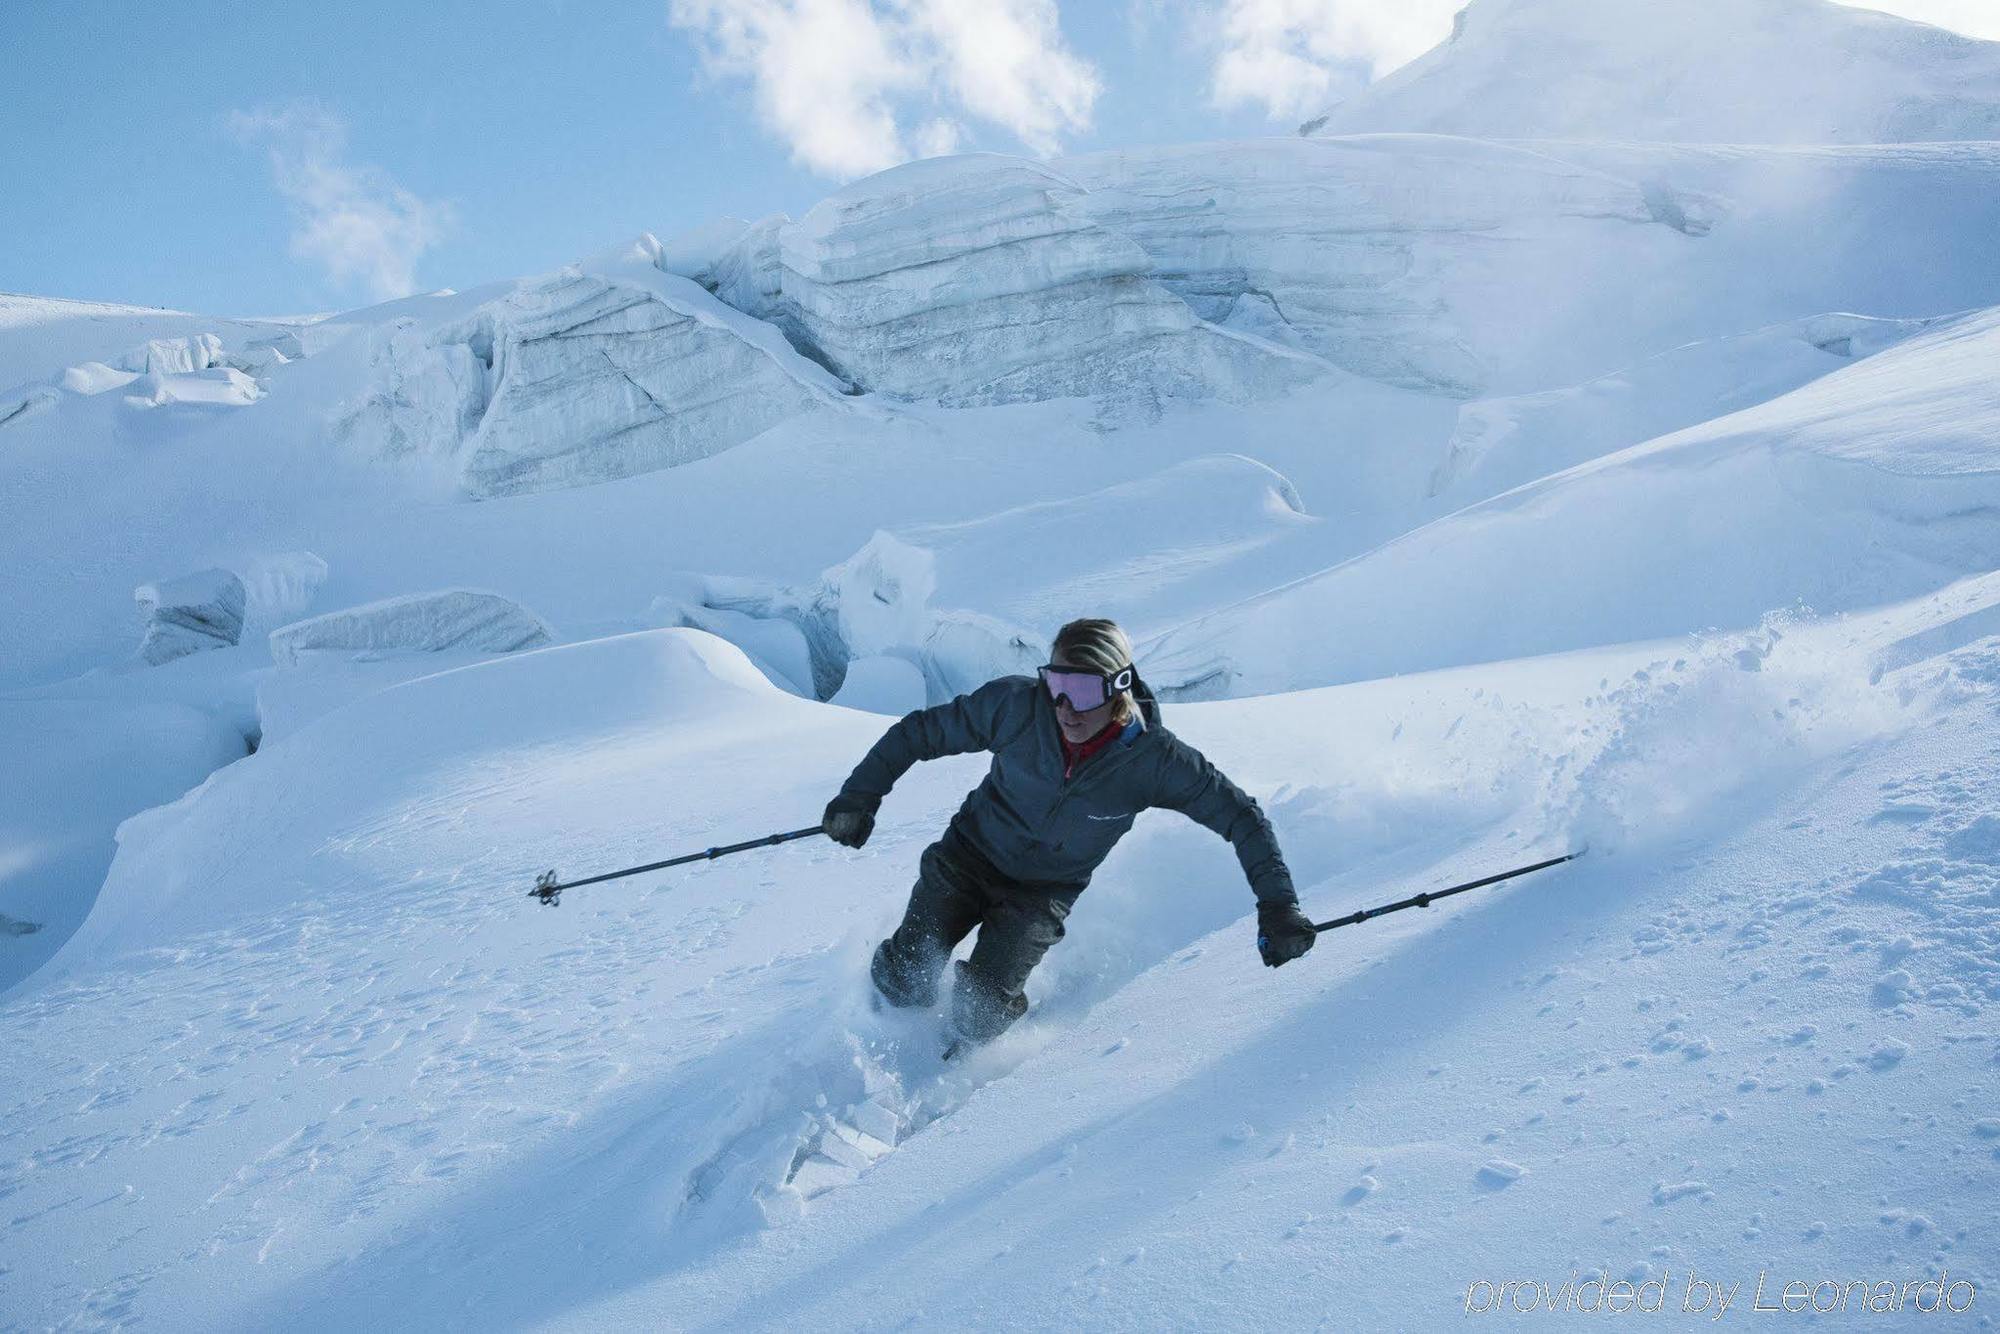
(1101, 646)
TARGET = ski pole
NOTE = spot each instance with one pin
(550, 892)
(1429, 897)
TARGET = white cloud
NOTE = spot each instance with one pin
(1005, 62)
(1974, 18)
(836, 79)
(939, 137)
(1293, 57)
(350, 218)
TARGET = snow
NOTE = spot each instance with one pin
(380, 1136)
(1760, 509)
(40, 337)
(882, 684)
(1471, 502)
(279, 587)
(460, 619)
(81, 767)
(1699, 71)
(1502, 443)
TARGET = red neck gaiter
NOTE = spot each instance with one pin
(1075, 753)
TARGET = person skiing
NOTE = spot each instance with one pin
(1078, 751)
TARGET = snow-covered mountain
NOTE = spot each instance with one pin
(1692, 71)
(1471, 502)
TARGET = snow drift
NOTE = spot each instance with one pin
(1873, 484)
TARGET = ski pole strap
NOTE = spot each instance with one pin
(549, 891)
(1428, 897)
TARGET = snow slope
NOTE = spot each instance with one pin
(41, 336)
(1495, 499)
(1867, 486)
(1696, 71)
(364, 1061)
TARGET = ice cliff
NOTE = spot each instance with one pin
(601, 371)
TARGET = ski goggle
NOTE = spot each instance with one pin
(1084, 689)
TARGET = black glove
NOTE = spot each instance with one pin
(1283, 932)
(849, 820)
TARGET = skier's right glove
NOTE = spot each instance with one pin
(849, 820)
(1283, 932)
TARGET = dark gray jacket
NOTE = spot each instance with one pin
(1033, 825)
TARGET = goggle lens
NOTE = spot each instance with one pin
(1084, 689)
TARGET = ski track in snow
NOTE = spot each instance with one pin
(343, 1095)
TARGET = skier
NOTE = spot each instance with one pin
(1077, 754)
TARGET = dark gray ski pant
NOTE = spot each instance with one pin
(956, 891)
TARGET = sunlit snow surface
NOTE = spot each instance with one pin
(1471, 502)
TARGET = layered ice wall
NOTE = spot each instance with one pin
(983, 279)
(597, 372)
(1472, 268)
(1369, 252)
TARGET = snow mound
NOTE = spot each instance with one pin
(77, 768)
(1866, 486)
(919, 283)
(1471, 268)
(598, 372)
(1500, 443)
(191, 614)
(171, 875)
(1697, 71)
(456, 619)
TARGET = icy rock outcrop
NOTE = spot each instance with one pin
(456, 620)
(598, 372)
(980, 279)
(1695, 71)
(191, 614)
(1413, 261)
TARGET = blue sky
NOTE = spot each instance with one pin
(283, 158)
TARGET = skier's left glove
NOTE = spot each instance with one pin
(849, 820)
(1283, 932)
